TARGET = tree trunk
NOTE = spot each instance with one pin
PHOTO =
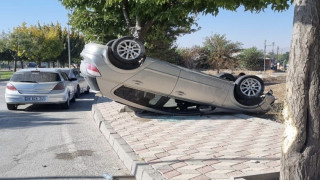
(21, 62)
(15, 65)
(9, 65)
(301, 143)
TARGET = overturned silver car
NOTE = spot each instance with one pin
(121, 72)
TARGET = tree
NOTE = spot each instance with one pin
(194, 57)
(221, 51)
(76, 46)
(5, 52)
(104, 20)
(251, 58)
(45, 44)
(14, 44)
(151, 21)
(284, 58)
(301, 144)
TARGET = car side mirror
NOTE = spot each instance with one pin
(73, 79)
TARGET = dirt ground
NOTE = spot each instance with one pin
(276, 81)
(278, 86)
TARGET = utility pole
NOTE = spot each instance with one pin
(264, 56)
(69, 53)
(277, 53)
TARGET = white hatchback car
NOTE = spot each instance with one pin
(39, 86)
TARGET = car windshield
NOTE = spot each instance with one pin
(35, 76)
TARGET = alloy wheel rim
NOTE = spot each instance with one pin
(129, 49)
(250, 87)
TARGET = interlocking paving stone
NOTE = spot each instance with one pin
(198, 147)
(171, 174)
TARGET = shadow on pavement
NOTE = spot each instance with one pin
(9, 119)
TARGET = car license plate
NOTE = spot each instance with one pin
(34, 98)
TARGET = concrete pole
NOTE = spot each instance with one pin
(264, 56)
(69, 53)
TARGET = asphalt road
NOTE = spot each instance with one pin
(47, 142)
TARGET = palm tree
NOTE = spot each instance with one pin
(221, 50)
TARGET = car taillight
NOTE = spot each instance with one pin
(11, 87)
(59, 86)
(93, 70)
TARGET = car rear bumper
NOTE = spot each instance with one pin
(42, 98)
(92, 81)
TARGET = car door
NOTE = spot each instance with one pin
(81, 81)
(199, 87)
(158, 77)
(68, 84)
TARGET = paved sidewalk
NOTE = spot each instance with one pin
(190, 147)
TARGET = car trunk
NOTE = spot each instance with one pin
(34, 88)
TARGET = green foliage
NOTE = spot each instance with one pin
(251, 58)
(195, 57)
(5, 55)
(45, 43)
(76, 46)
(41, 43)
(284, 58)
(4, 75)
(221, 51)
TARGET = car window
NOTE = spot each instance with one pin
(76, 73)
(156, 101)
(145, 98)
(67, 71)
(65, 76)
(35, 76)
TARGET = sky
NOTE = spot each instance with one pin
(251, 29)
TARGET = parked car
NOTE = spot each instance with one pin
(81, 86)
(39, 86)
(121, 72)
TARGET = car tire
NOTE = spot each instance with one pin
(109, 44)
(249, 87)
(12, 106)
(66, 105)
(128, 50)
(73, 99)
(226, 76)
(78, 92)
(88, 90)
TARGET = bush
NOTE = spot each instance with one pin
(252, 59)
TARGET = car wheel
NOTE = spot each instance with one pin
(128, 50)
(77, 92)
(249, 87)
(73, 98)
(66, 105)
(12, 106)
(110, 43)
(88, 90)
(226, 76)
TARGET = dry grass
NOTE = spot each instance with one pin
(278, 86)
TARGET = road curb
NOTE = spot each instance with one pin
(137, 167)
